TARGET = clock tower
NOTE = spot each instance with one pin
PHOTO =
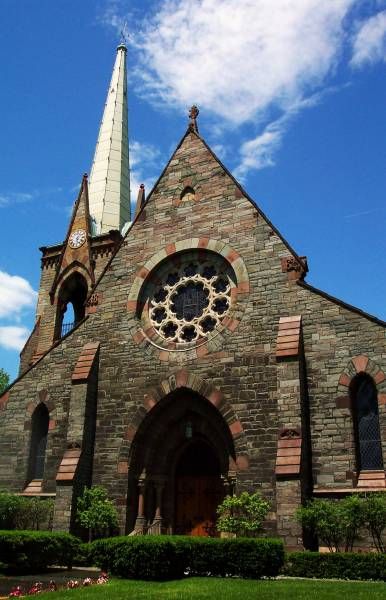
(102, 209)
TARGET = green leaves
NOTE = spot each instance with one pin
(4, 380)
(18, 512)
(95, 511)
(337, 522)
(243, 514)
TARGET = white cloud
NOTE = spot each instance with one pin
(16, 294)
(236, 58)
(369, 43)
(145, 161)
(13, 337)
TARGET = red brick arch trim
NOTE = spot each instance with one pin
(360, 364)
(239, 295)
(74, 267)
(42, 397)
(184, 379)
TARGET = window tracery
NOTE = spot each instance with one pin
(191, 299)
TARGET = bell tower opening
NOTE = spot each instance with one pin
(71, 304)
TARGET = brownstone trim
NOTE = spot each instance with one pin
(288, 456)
(361, 363)
(85, 362)
(371, 479)
(288, 336)
(68, 466)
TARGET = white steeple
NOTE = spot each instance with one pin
(109, 186)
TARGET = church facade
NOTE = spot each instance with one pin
(199, 361)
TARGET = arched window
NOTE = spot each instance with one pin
(38, 444)
(366, 423)
(71, 304)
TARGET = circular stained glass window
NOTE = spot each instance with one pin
(191, 298)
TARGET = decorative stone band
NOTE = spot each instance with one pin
(69, 464)
(289, 453)
(288, 336)
(147, 336)
(85, 362)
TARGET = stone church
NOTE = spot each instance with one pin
(197, 360)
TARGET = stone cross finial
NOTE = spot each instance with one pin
(193, 114)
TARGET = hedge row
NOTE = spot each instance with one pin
(33, 551)
(336, 565)
(170, 557)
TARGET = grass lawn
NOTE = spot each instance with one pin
(226, 589)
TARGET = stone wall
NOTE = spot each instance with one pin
(241, 365)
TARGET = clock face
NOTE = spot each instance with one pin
(77, 238)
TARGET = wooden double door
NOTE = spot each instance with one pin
(198, 492)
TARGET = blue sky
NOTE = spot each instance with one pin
(292, 97)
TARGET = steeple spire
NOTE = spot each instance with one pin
(109, 187)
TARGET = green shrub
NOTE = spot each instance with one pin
(336, 565)
(82, 557)
(31, 551)
(375, 518)
(169, 557)
(19, 512)
(243, 514)
(96, 512)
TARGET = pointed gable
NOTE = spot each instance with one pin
(76, 248)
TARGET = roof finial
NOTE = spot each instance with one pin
(123, 37)
(193, 114)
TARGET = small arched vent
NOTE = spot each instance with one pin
(188, 194)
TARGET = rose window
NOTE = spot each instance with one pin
(191, 299)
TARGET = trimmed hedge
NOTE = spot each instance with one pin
(34, 551)
(171, 557)
(336, 565)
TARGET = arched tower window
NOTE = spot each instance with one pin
(38, 443)
(71, 304)
(366, 423)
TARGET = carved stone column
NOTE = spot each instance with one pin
(140, 521)
(157, 523)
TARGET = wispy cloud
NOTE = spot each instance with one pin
(361, 213)
(238, 60)
(369, 44)
(12, 198)
(259, 152)
(243, 61)
(13, 337)
(145, 163)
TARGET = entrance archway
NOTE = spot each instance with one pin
(179, 465)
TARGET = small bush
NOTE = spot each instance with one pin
(243, 514)
(19, 512)
(31, 551)
(169, 557)
(82, 557)
(336, 565)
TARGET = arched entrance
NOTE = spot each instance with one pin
(179, 465)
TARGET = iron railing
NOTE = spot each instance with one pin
(66, 328)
